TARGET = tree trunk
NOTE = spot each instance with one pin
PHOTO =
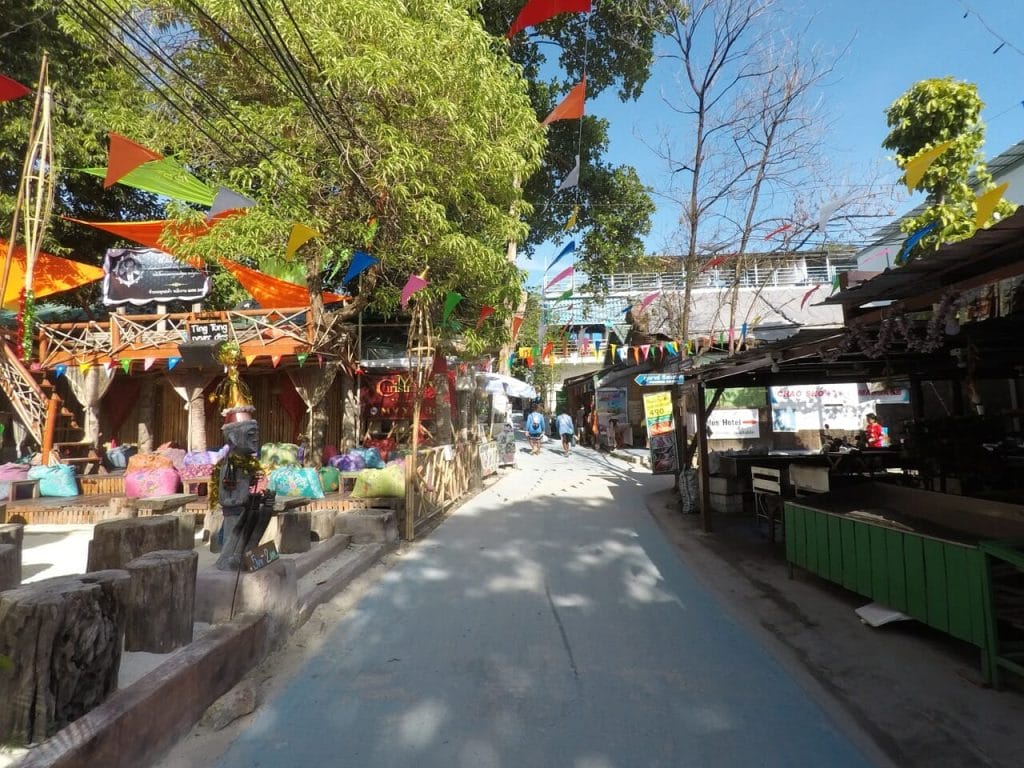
(197, 421)
(115, 543)
(64, 637)
(161, 601)
(147, 402)
(350, 419)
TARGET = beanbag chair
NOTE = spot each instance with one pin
(55, 480)
(349, 462)
(175, 455)
(380, 483)
(9, 472)
(371, 457)
(330, 479)
(149, 461)
(273, 455)
(295, 481)
(147, 483)
(384, 445)
(117, 457)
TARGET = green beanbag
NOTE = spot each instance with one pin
(380, 483)
(330, 479)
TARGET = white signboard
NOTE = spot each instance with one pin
(812, 407)
(733, 424)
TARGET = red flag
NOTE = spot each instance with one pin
(713, 262)
(485, 312)
(538, 11)
(12, 89)
(516, 323)
(547, 349)
(571, 107)
(808, 295)
(124, 157)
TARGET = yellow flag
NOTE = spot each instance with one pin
(83, 367)
(986, 204)
(300, 235)
(249, 360)
(572, 218)
(614, 347)
(919, 163)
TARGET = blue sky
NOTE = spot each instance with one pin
(889, 44)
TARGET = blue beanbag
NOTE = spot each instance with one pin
(295, 481)
(55, 480)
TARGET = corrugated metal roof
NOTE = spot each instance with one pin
(992, 248)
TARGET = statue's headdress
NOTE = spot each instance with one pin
(232, 393)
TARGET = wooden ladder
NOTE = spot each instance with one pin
(36, 409)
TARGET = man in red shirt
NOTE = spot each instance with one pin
(874, 433)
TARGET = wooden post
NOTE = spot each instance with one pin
(50, 426)
(702, 447)
(161, 601)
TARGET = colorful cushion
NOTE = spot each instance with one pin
(330, 479)
(371, 456)
(196, 471)
(12, 471)
(349, 462)
(149, 461)
(146, 483)
(380, 483)
(273, 455)
(176, 456)
(55, 480)
(295, 481)
(201, 458)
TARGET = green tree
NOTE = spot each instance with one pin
(929, 113)
(615, 208)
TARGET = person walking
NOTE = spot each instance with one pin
(536, 426)
(565, 430)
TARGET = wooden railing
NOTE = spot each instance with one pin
(442, 476)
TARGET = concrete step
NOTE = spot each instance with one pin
(332, 576)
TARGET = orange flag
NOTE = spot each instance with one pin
(124, 157)
(270, 292)
(571, 107)
(516, 322)
(51, 275)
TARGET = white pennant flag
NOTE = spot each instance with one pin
(573, 178)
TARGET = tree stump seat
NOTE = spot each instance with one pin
(115, 543)
(11, 540)
(161, 600)
(64, 637)
(175, 506)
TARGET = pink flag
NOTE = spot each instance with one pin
(148, 363)
(808, 295)
(647, 300)
(415, 283)
(645, 350)
(560, 277)
(584, 345)
(713, 262)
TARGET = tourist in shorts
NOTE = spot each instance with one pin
(565, 430)
(536, 425)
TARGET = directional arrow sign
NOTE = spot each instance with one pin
(659, 379)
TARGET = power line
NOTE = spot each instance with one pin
(1003, 42)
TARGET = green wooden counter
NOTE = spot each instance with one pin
(865, 539)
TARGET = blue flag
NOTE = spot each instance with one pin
(360, 263)
(913, 240)
(568, 249)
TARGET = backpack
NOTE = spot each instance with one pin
(536, 425)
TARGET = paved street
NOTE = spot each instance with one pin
(547, 623)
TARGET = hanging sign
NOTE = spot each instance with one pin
(145, 275)
(661, 433)
(659, 379)
(215, 330)
(733, 424)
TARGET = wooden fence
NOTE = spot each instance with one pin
(442, 476)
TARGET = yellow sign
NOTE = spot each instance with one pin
(658, 411)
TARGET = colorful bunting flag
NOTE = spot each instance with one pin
(808, 295)
(516, 324)
(778, 231)
(164, 177)
(413, 284)
(828, 210)
(712, 263)
(743, 331)
(985, 204)
(270, 292)
(645, 350)
(612, 348)
(12, 89)
(548, 349)
(835, 284)
(584, 345)
(125, 156)
(538, 11)
(320, 360)
(568, 249)
(148, 363)
(275, 360)
(573, 179)
(249, 360)
(913, 240)
(361, 262)
(171, 362)
(299, 236)
(571, 223)
(126, 365)
(648, 299)
(564, 295)
(451, 301)
(228, 200)
(559, 277)
(485, 312)
(52, 275)
(571, 107)
(636, 355)
(60, 370)
(919, 164)
(302, 357)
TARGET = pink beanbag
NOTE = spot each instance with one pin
(146, 483)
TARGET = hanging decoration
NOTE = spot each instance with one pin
(647, 300)
(60, 370)
(249, 360)
(172, 362)
(272, 293)
(710, 263)
(573, 179)
(124, 156)
(828, 210)
(568, 249)
(164, 177)
(835, 284)
(126, 365)
(571, 107)
(548, 349)
(559, 277)
(919, 164)
(778, 231)
(275, 360)
(900, 333)
(807, 295)
(147, 363)
(84, 367)
(12, 89)
(565, 295)
(361, 261)
(451, 301)
(571, 223)
(538, 11)
(412, 285)
(985, 204)
(228, 200)
(913, 240)
(299, 236)
(517, 322)
(301, 357)
(485, 312)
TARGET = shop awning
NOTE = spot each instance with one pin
(499, 384)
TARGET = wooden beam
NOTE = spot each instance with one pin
(702, 443)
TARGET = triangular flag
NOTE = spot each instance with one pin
(913, 240)
(524, 352)
(743, 331)
(565, 295)
(302, 357)
(516, 323)
(673, 348)
(648, 299)
(83, 367)
(613, 347)
(228, 200)
(275, 360)
(559, 277)
(808, 295)
(778, 230)
(485, 312)
(320, 360)
(60, 370)
(171, 362)
(451, 301)
(636, 354)
(584, 345)
(413, 284)
(107, 365)
(986, 204)
(124, 157)
(645, 350)
(568, 249)
(573, 179)
(299, 236)
(126, 364)
(148, 363)
(361, 262)
(535, 352)
(538, 11)
(548, 349)
(712, 263)
(511, 360)
(12, 89)
(828, 210)
(597, 345)
(835, 285)
(249, 360)
(571, 223)
(756, 321)
(921, 162)
(571, 107)
(623, 351)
